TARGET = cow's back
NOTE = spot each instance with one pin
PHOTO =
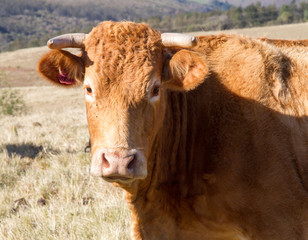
(257, 122)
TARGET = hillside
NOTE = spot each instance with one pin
(25, 23)
(19, 67)
(29, 23)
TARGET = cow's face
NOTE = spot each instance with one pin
(125, 73)
(122, 93)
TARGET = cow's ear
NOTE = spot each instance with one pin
(62, 68)
(185, 70)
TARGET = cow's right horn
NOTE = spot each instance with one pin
(178, 40)
(70, 40)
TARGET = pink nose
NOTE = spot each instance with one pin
(118, 165)
(114, 165)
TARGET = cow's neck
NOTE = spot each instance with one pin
(180, 162)
(182, 166)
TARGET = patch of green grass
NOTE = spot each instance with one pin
(7, 180)
(11, 100)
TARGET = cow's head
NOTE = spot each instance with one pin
(125, 69)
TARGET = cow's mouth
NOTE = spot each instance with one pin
(119, 179)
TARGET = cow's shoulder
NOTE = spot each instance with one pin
(267, 70)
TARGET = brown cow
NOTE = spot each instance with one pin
(208, 141)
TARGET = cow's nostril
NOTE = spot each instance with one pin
(105, 163)
(131, 164)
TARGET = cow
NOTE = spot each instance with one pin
(207, 135)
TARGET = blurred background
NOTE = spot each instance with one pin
(29, 23)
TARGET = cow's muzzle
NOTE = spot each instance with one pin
(118, 165)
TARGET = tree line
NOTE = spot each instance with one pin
(254, 15)
(31, 23)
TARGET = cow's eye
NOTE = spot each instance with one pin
(155, 91)
(89, 90)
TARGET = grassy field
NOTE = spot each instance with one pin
(46, 191)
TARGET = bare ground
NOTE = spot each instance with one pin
(289, 31)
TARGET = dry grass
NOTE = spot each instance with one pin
(46, 191)
(288, 31)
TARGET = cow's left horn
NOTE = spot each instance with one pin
(70, 40)
(178, 40)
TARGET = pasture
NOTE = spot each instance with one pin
(46, 191)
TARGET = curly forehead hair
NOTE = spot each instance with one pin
(123, 52)
(124, 39)
(124, 32)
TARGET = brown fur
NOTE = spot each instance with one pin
(286, 43)
(57, 61)
(225, 160)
